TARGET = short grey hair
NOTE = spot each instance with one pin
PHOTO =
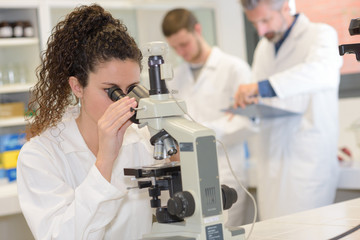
(252, 4)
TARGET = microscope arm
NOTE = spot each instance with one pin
(354, 29)
(350, 48)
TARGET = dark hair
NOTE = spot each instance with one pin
(86, 37)
(178, 19)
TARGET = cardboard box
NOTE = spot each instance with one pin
(10, 145)
(15, 109)
(9, 159)
(14, 141)
(2, 172)
(11, 174)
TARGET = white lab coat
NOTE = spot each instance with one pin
(205, 98)
(64, 196)
(297, 165)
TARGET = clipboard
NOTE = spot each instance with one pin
(260, 111)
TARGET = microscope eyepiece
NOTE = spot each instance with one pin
(115, 93)
(136, 91)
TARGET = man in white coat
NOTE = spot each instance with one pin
(206, 80)
(296, 68)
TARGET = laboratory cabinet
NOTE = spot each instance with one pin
(19, 56)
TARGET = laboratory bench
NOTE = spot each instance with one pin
(323, 222)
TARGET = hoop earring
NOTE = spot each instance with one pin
(73, 99)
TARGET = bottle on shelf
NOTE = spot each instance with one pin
(2, 75)
(6, 30)
(22, 73)
(13, 73)
(18, 29)
(5, 75)
(28, 29)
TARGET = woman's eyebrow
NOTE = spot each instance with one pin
(134, 83)
(109, 83)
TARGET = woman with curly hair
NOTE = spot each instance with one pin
(70, 173)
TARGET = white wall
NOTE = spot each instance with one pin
(229, 22)
(230, 27)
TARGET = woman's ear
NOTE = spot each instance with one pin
(76, 87)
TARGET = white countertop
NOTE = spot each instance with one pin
(317, 224)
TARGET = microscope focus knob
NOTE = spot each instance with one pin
(155, 192)
(229, 196)
(182, 204)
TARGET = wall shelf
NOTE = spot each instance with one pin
(15, 88)
(15, 42)
(11, 122)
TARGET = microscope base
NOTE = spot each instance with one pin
(179, 231)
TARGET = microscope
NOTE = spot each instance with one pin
(354, 29)
(196, 201)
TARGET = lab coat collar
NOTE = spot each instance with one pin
(301, 24)
(211, 64)
(66, 134)
(286, 34)
(213, 59)
(71, 139)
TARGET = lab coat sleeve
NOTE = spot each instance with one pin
(316, 72)
(55, 210)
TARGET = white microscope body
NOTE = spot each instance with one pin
(199, 204)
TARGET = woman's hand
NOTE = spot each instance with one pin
(111, 129)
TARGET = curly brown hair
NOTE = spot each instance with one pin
(86, 37)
